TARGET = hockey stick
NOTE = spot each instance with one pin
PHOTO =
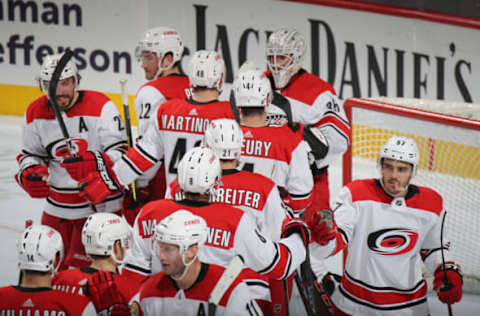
(233, 106)
(446, 285)
(229, 275)
(303, 295)
(316, 295)
(128, 125)
(52, 92)
(284, 104)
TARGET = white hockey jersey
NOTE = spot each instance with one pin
(280, 154)
(314, 102)
(387, 240)
(231, 232)
(179, 126)
(149, 97)
(94, 123)
(161, 296)
(250, 192)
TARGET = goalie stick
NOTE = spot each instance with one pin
(128, 125)
(229, 275)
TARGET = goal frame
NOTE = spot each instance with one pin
(403, 111)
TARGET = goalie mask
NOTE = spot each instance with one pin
(207, 70)
(199, 170)
(161, 41)
(225, 138)
(40, 248)
(101, 231)
(48, 67)
(290, 44)
(183, 229)
(252, 89)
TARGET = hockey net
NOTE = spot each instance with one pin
(449, 146)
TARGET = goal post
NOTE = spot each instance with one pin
(449, 147)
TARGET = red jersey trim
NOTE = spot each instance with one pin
(306, 87)
(339, 124)
(383, 296)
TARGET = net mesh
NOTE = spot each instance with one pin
(449, 163)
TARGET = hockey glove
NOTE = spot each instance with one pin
(323, 226)
(33, 180)
(98, 185)
(90, 161)
(131, 207)
(296, 226)
(104, 294)
(451, 291)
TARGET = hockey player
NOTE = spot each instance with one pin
(160, 52)
(106, 238)
(274, 151)
(95, 128)
(309, 101)
(390, 226)
(179, 126)
(40, 252)
(248, 191)
(186, 283)
(231, 231)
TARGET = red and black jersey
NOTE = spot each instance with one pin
(17, 300)
(73, 280)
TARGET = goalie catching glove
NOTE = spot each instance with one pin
(323, 226)
(33, 180)
(451, 292)
(93, 171)
(105, 296)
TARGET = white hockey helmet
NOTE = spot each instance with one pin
(252, 88)
(183, 229)
(48, 67)
(161, 41)
(40, 248)
(225, 138)
(402, 149)
(199, 170)
(101, 231)
(207, 69)
(285, 42)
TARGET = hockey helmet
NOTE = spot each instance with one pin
(40, 248)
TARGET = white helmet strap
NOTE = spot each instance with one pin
(187, 266)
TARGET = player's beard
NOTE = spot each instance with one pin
(395, 187)
(64, 101)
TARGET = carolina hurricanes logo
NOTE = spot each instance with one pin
(59, 149)
(392, 241)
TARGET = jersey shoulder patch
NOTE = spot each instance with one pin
(307, 87)
(90, 103)
(427, 199)
(38, 110)
(367, 190)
